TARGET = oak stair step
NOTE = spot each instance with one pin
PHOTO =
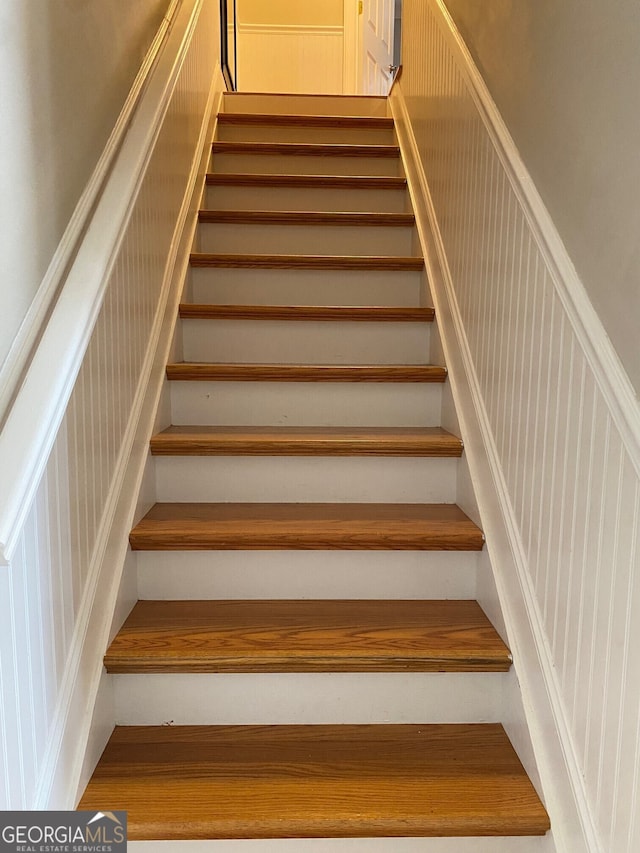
(305, 217)
(319, 781)
(305, 441)
(307, 636)
(300, 262)
(307, 149)
(353, 313)
(310, 527)
(282, 120)
(349, 182)
(218, 372)
(302, 103)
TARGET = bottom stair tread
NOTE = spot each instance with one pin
(205, 782)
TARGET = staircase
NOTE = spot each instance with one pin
(306, 659)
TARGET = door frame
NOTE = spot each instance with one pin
(352, 48)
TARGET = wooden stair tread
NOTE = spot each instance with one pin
(305, 217)
(307, 636)
(322, 262)
(238, 96)
(352, 182)
(382, 313)
(307, 149)
(292, 120)
(332, 781)
(305, 526)
(231, 372)
(305, 441)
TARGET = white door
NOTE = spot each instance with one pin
(377, 46)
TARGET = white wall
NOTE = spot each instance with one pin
(60, 572)
(319, 12)
(550, 423)
(66, 67)
(565, 76)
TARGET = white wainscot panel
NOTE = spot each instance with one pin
(560, 426)
(290, 58)
(53, 613)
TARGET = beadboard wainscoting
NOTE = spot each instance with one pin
(65, 552)
(552, 430)
(290, 58)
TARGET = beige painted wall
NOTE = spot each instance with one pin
(66, 67)
(566, 78)
(326, 13)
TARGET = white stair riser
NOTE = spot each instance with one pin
(307, 698)
(306, 198)
(306, 403)
(352, 845)
(240, 102)
(305, 479)
(304, 287)
(287, 239)
(290, 164)
(295, 133)
(305, 342)
(199, 575)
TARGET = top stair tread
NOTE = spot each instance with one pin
(296, 120)
(202, 782)
(307, 149)
(290, 103)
